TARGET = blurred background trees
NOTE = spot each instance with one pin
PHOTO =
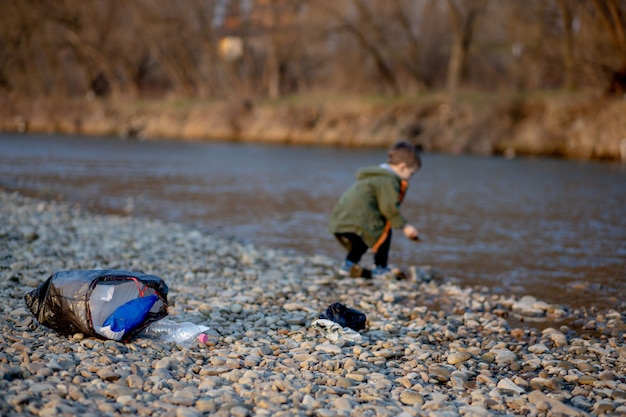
(270, 48)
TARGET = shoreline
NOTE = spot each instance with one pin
(430, 347)
(575, 126)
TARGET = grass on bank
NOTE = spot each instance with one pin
(580, 125)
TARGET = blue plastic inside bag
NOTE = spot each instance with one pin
(130, 315)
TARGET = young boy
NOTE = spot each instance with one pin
(367, 211)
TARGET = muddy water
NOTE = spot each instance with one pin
(550, 228)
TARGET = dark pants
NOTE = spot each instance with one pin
(357, 248)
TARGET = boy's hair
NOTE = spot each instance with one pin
(403, 151)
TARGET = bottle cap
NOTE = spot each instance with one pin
(203, 338)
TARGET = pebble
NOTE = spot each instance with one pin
(538, 348)
(507, 384)
(505, 356)
(410, 397)
(430, 348)
(458, 357)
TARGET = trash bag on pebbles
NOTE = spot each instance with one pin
(334, 332)
(345, 316)
(340, 322)
(108, 304)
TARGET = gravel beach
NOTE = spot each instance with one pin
(431, 348)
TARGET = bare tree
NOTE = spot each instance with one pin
(276, 25)
(84, 30)
(157, 48)
(359, 27)
(568, 43)
(463, 17)
(611, 15)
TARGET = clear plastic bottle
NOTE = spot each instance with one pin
(167, 330)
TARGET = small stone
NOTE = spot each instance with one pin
(410, 397)
(517, 333)
(236, 308)
(584, 366)
(134, 381)
(357, 376)
(559, 339)
(606, 375)
(553, 384)
(505, 356)
(538, 348)
(458, 357)
(164, 363)
(239, 411)
(184, 397)
(603, 406)
(20, 399)
(124, 399)
(484, 379)
(529, 306)
(489, 357)
(187, 412)
(328, 348)
(618, 394)
(587, 380)
(439, 373)
(346, 382)
(206, 406)
(474, 411)
(405, 382)
(516, 403)
(544, 403)
(508, 385)
(581, 402)
(457, 383)
(54, 365)
(108, 375)
(342, 403)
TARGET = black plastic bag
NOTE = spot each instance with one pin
(80, 301)
(345, 316)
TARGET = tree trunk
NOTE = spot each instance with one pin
(611, 16)
(383, 67)
(568, 45)
(463, 31)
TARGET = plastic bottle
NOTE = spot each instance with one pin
(183, 334)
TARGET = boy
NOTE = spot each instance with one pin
(367, 211)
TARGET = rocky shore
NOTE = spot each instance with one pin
(430, 348)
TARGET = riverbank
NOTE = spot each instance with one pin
(430, 348)
(575, 126)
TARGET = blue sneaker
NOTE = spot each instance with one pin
(382, 272)
(346, 268)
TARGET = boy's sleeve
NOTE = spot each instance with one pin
(388, 194)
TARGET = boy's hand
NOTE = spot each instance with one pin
(410, 232)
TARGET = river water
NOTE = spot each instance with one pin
(550, 228)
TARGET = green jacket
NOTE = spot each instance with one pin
(370, 206)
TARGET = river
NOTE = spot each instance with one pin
(550, 228)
